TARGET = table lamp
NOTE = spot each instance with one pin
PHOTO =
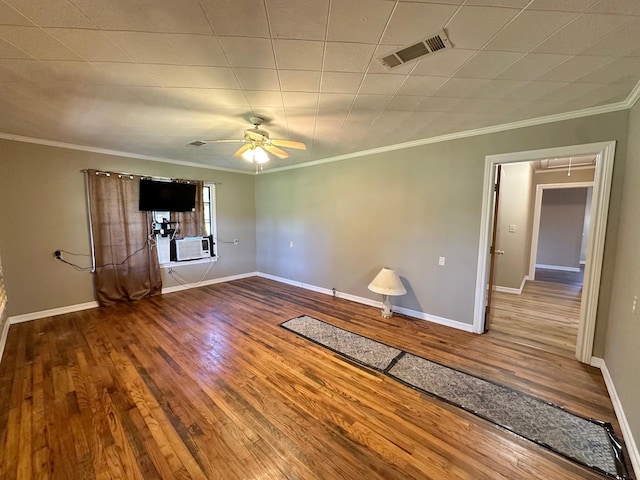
(387, 283)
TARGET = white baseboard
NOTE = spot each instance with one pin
(597, 362)
(632, 446)
(562, 268)
(187, 286)
(27, 317)
(467, 327)
(515, 291)
(373, 303)
(3, 336)
(326, 291)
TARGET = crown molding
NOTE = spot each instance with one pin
(116, 153)
(559, 117)
(630, 101)
(633, 96)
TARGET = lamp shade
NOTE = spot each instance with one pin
(387, 282)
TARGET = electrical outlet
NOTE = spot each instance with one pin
(291, 244)
(235, 241)
(635, 304)
(169, 270)
(57, 255)
(441, 261)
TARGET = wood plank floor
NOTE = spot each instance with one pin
(544, 316)
(204, 384)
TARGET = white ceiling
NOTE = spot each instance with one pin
(564, 163)
(149, 76)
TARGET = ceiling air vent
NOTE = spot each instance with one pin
(196, 143)
(417, 50)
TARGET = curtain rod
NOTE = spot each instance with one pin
(126, 174)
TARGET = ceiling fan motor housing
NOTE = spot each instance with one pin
(256, 135)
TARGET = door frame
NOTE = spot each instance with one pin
(537, 211)
(605, 154)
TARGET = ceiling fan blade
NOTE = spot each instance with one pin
(289, 144)
(241, 150)
(276, 151)
(222, 141)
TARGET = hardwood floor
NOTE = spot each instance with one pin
(544, 316)
(204, 384)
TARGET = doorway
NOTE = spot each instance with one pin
(542, 227)
(559, 247)
(604, 153)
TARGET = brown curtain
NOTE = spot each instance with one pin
(191, 224)
(126, 260)
(3, 300)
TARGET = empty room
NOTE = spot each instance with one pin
(356, 239)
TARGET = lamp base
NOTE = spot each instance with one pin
(386, 307)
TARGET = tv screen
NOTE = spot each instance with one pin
(167, 196)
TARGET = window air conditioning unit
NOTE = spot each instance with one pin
(190, 248)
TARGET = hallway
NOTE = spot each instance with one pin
(544, 316)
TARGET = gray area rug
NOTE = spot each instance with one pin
(586, 441)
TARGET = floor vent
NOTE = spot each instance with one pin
(417, 50)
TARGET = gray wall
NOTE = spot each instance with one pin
(406, 208)
(346, 219)
(516, 185)
(43, 208)
(561, 224)
(623, 334)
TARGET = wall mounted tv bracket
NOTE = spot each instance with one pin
(164, 228)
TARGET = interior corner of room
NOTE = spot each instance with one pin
(331, 226)
(501, 206)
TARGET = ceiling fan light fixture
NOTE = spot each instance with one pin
(256, 154)
(248, 155)
(260, 156)
(257, 143)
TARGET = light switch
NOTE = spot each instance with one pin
(441, 261)
(512, 228)
(291, 244)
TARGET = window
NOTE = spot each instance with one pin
(209, 210)
(207, 201)
(210, 223)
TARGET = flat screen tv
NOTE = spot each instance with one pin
(167, 196)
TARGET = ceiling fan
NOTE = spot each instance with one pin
(257, 142)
